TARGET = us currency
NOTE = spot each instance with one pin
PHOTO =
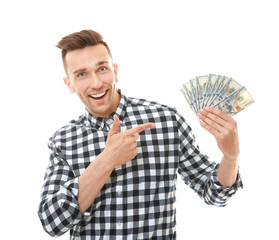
(189, 96)
(235, 102)
(201, 83)
(195, 93)
(211, 93)
(208, 87)
(218, 91)
(228, 86)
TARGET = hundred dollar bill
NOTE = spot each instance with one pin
(201, 83)
(199, 92)
(212, 93)
(217, 91)
(195, 93)
(235, 102)
(208, 86)
(187, 96)
(226, 87)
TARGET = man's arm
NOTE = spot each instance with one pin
(65, 197)
(224, 129)
(121, 147)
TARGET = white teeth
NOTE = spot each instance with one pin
(99, 95)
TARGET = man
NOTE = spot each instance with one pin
(112, 173)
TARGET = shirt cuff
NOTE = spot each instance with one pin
(238, 183)
(70, 202)
(220, 193)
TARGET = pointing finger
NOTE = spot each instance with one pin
(115, 126)
(141, 128)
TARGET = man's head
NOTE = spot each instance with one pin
(79, 40)
(90, 71)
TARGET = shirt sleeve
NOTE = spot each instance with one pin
(200, 173)
(59, 210)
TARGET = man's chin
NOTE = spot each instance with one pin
(101, 112)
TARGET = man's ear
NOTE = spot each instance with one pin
(69, 85)
(115, 70)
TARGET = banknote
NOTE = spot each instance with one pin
(235, 102)
(217, 91)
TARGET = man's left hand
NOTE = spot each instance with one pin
(223, 128)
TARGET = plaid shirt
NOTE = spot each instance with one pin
(138, 199)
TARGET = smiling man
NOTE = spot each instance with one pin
(92, 76)
(112, 172)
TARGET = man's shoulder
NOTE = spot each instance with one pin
(141, 103)
(72, 126)
(153, 111)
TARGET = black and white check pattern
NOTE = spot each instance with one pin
(138, 200)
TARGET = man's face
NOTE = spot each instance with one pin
(92, 76)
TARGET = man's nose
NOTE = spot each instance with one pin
(95, 81)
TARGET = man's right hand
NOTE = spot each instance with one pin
(121, 147)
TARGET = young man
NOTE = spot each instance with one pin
(112, 172)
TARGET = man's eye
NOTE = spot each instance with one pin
(81, 75)
(103, 69)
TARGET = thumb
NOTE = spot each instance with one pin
(115, 126)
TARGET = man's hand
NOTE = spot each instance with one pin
(121, 147)
(224, 129)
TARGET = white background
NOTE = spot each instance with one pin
(158, 45)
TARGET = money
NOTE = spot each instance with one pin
(217, 91)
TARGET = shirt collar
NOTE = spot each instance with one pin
(120, 111)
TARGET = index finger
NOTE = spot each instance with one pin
(141, 128)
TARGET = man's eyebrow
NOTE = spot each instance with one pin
(79, 70)
(84, 69)
(101, 62)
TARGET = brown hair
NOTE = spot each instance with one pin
(79, 40)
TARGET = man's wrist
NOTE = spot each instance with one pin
(230, 160)
(105, 159)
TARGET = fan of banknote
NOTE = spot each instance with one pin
(217, 91)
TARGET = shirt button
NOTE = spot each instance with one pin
(119, 193)
(119, 223)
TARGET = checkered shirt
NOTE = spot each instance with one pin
(138, 199)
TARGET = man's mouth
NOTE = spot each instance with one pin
(98, 96)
